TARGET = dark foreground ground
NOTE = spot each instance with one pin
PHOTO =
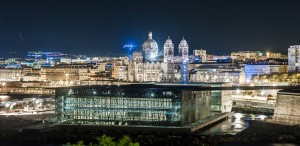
(17, 130)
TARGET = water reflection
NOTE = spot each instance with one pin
(236, 123)
(19, 104)
(259, 144)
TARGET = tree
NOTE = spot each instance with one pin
(105, 140)
(79, 143)
(126, 141)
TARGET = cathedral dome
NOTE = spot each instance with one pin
(150, 43)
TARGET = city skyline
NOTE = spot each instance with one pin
(159, 72)
(102, 27)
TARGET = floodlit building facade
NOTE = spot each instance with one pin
(152, 65)
(293, 58)
(200, 53)
(273, 55)
(120, 72)
(65, 72)
(10, 74)
(125, 105)
(263, 69)
(217, 72)
(244, 55)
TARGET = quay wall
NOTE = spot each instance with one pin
(287, 109)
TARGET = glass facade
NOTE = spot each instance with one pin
(216, 100)
(131, 105)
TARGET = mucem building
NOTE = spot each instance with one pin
(138, 104)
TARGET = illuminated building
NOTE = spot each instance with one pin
(10, 74)
(144, 72)
(51, 57)
(200, 53)
(263, 69)
(13, 66)
(11, 60)
(293, 58)
(29, 74)
(125, 105)
(65, 73)
(210, 57)
(184, 52)
(45, 59)
(245, 55)
(168, 51)
(119, 69)
(20, 74)
(273, 55)
(169, 66)
(150, 65)
(120, 72)
(150, 48)
(217, 72)
(221, 100)
(66, 60)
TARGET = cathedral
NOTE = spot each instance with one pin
(152, 65)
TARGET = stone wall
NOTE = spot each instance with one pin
(287, 108)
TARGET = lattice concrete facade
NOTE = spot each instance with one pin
(131, 105)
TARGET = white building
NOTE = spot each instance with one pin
(10, 74)
(120, 72)
(293, 58)
(217, 72)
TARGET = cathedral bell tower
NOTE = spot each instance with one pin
(168, 70)
(168, 51)
(184, 50)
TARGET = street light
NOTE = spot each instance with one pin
(238, 91)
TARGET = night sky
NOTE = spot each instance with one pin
(99, 27)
